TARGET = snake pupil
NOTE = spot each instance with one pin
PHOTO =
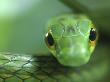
(49, 39)
(92, 35)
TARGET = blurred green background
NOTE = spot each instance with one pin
(22, 29)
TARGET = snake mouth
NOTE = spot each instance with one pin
(68, 58)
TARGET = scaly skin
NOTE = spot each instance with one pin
(27, 68)
(20, 34)
(70, 33)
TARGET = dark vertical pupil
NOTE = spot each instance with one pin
(50, 39)
(92, 35)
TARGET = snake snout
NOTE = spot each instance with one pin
(75, 56)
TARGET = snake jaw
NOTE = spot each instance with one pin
(72, 51)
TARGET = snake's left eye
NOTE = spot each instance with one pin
(49, 40)
(93, 34)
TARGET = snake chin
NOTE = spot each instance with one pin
(73, 59)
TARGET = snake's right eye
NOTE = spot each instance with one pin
(93, 34)
(49, 40)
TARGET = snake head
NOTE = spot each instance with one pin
(71, 39)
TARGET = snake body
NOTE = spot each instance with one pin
(27, 59)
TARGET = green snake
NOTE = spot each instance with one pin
(71, 39)
(42, 44)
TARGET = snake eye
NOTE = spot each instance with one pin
(93, 34)
(49, 40)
